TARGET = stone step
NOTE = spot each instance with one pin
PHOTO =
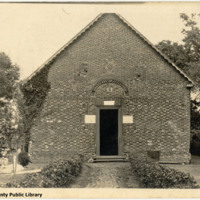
(110, 159)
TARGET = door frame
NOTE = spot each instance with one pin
(120, 140)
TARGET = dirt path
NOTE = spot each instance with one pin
(106, 175)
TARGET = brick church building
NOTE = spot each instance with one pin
(111, 93)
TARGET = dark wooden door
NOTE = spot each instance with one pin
(109, 132)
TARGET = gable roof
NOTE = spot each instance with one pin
(54, 56)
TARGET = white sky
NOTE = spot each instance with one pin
(31, 33)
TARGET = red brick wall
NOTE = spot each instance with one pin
(157, 96)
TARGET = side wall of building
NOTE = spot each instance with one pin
(157, 96)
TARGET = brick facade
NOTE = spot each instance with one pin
(110, 61)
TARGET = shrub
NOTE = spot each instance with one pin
(195, 128)
(61, 172)
(58, 174)
(195, 142)
(153, 175)
(23, 159)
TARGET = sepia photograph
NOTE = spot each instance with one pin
(99, 96)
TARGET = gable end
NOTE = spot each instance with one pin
(52, 58)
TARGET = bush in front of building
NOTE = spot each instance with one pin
(153, 175)
(61, 173)
(58, 174)
(23, 159)
(195, 142)
(195, 128)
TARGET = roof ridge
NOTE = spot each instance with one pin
(87, 27)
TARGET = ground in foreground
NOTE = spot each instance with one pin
(106, 175)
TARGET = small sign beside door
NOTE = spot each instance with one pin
(90, 119)
(127, 119)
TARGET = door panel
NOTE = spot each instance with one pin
(109, 132)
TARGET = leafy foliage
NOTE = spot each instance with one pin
(11, 128)
(34, 92)
(23, 158)
(195, 142)
(9, 76)
(195, 114)
(186, 55)
(9, 123)
(195, 128)
(191, 39)
(176, 52)
(58, 174)
(153, 175)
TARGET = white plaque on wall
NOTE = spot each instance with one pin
(90, 119)
(127, 119)
(109, 103)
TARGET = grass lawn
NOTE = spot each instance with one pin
(7, 177)
(193, 168)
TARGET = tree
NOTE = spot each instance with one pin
(195, 128)
(9, 120)
(175, 52)
(186, 55)
(9, 76)
(10, 117)
(191, 39)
